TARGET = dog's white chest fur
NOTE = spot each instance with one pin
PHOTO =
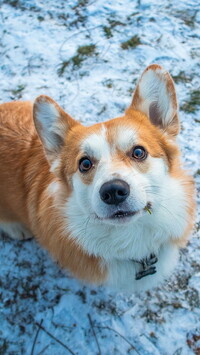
(121, 247)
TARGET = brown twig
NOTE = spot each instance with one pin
(115, 331)
(93, 331)
(43, 349)
(54, 338)
(36, 336)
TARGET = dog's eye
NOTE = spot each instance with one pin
(139, 153)
(85, 164)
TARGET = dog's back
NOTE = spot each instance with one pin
(16, 130)
(20, 154)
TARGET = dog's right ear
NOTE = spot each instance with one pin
(155, 96)
(52, 125)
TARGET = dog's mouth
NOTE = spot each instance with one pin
(122, 214)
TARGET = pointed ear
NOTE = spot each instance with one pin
(155, 96)
(52, 124)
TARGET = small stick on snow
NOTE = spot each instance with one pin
(93, 331)
(115, 331)
(54, 338)
(36, 336)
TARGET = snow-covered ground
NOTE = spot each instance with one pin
(77, 52)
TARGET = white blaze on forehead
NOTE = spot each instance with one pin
(126, 137)
(96, 144)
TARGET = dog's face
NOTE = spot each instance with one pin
(115, 170)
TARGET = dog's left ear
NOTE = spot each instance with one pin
(52, 124)
(155, 96)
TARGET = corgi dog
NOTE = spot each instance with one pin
(110, 202)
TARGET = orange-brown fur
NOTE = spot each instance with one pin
(25, 174)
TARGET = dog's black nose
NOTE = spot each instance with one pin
(115, 191)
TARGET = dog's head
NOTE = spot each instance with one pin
(114, 170)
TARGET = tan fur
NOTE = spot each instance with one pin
(25, 176)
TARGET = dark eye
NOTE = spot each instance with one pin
(85, 164)
(139, 153)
